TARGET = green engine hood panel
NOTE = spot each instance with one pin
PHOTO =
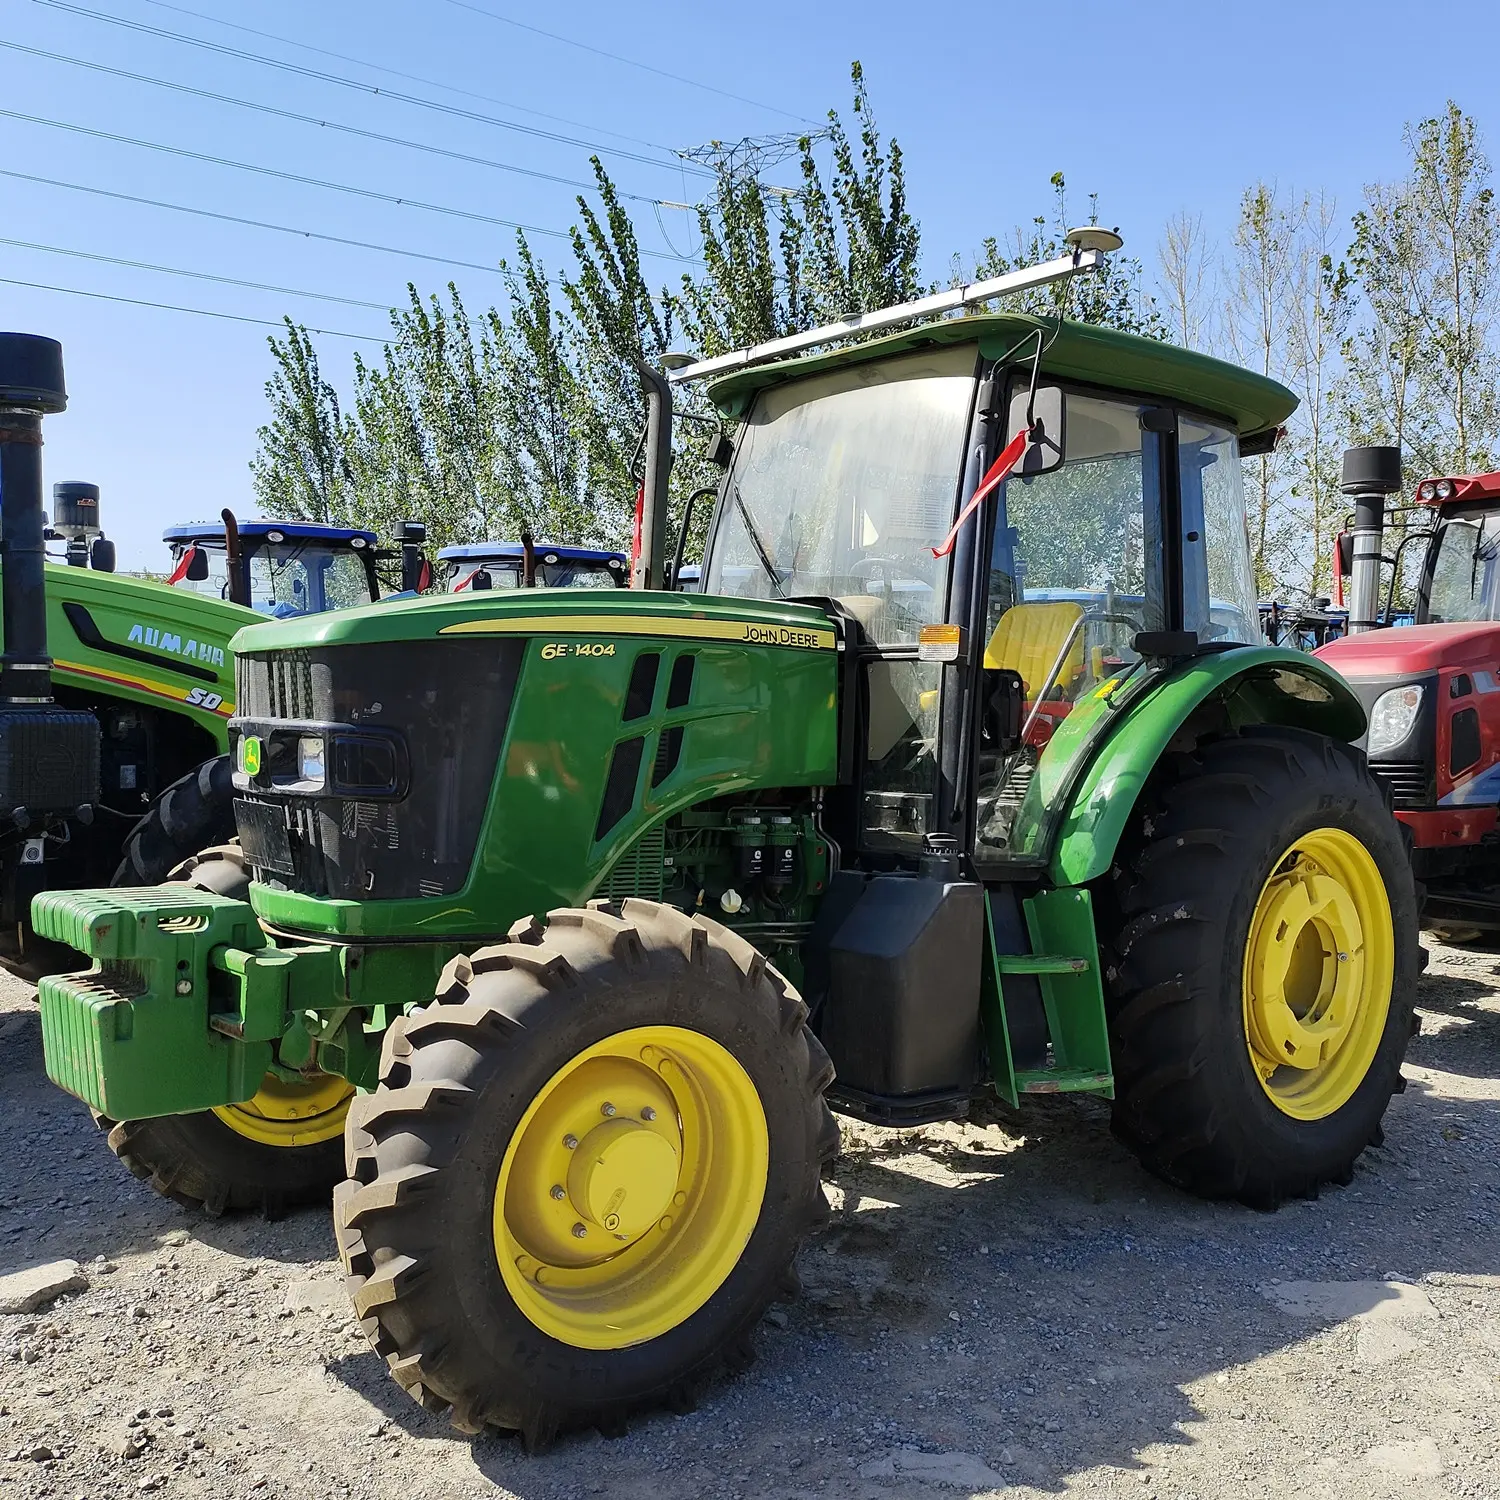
(759, 710)
(612, 612)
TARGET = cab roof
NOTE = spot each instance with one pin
(293, 531)
(1072, 351)
(507, 551)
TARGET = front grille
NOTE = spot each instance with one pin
(275, 686)
(448, 701)
(1408, 781)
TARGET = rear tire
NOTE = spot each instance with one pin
(435, 1152)
(245, 1156)
(1199, 1098)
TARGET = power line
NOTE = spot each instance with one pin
(208, 213)
(141, 265)
(287, 114)
(199, 312)
(436, 83)
(317, 182)
(628, 62)
(363, 88)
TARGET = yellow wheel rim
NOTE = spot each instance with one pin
(630, 1187)
(1319, 965)
(292, 1114)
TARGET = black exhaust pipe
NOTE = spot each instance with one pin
(1369, 475)
(49, 757)
(31, 387)
(649, 566)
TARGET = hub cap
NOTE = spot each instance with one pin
(630, 1187)
(1319, 964)
(292, 1114)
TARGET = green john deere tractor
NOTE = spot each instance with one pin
(968, 769)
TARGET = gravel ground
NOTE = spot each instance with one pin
(1007, 1306)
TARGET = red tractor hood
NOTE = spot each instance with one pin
(1410, 649)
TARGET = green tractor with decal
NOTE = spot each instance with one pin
(968, 769)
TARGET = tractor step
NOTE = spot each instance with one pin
(1065, 964)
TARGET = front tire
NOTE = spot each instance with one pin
(1261, 972)
(586, 1170)
(279, 1150)
(196, 812)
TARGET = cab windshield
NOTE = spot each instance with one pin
(286, 578)
(1465, 581)
(505, 573)
(843, 484)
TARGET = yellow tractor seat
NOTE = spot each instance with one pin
(1028, 640)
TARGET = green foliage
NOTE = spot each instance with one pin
(300, 469)
(1422, 363)
(777, 261)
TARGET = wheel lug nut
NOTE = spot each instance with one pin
(571, 1142)
(606, 1109)
(558, 1191)
(579, 1231)
(648, 1113)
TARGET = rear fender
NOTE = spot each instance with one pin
(1221, 692)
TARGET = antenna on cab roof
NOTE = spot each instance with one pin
(1090, 245)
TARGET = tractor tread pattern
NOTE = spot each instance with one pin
(1161, 927)
(392, 1253)
(195, 813)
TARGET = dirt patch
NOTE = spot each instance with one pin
(1006, 1306)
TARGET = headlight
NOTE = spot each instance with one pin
(1444, 489)
(1392, 717)
(311, 760)
(1427, 492)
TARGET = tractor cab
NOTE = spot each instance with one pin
(281, 568)
(1113, 545)
(503, 565)
(1432, 692)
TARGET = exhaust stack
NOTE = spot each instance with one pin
(49, 757)
(1370, 474)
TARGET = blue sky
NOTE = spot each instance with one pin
(1158, 108)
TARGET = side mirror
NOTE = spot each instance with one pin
(102, 555)
(1049, 414)
(1343, 551)
(720, 449)
(197, 568)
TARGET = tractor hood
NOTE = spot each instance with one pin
(532, 612)
(1412, 649)
(144, 642)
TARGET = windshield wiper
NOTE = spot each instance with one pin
(760, 546)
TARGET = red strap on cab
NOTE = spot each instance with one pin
(183, 564)
(1009, 457)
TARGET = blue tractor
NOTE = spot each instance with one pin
(506, 565)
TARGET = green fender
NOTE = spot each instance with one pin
(1255, 684)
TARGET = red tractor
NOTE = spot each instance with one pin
(1432, 689)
